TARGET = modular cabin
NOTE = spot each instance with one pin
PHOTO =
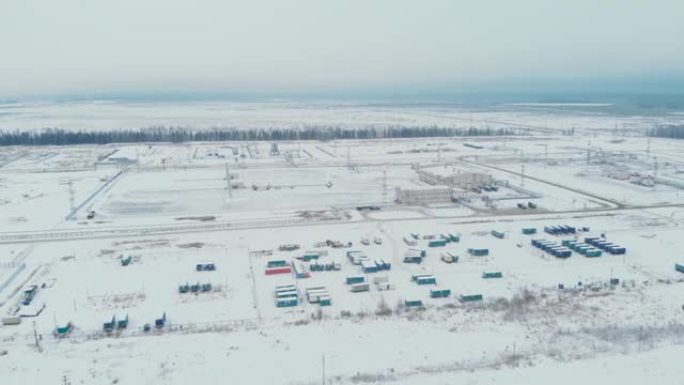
(360, 287)
(424, 279)
(355, 279)
(287, 302)
(440, 293)
(277, 263)
(470, 297)
(369, 267)
(413, 303)
(437, 243)
(478, 252)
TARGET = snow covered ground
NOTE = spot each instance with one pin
(113, 115)
(168, 207)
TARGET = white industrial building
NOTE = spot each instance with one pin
(424, 195)
(461, 179)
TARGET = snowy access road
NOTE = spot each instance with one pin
(128, 231)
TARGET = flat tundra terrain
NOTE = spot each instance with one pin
(536, 259)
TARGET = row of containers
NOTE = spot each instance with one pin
(63, 331)
(606, 246)
(552, 248)
(367, 265)
(433, 240)
(298, 268)
(288, 296)
(195, 288)
(417, 256)
(563, 230)
(560, 230)
(442, 293)
(359, 284)
(582, 248)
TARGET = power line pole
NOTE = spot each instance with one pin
(230, 185)
(546, 154)
(384, 185)
(439, 152)
(522, 175)
(323, 370)
(71, 195)
(348, 157)
(35, 336)
(588, 151)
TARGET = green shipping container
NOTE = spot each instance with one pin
(492, 274)
(438, 243)
(353, 280)
(470, 297)
(440, 293)
(413, 303)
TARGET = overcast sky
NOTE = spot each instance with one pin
(81, 46)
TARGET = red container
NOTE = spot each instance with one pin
(278, 270)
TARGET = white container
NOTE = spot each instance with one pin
(11, 320)
(380, 279)
(359, 287)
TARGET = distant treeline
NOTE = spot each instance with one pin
(52, 136)
(670, 131)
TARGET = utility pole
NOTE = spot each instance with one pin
(522, 175)
(384, 185)
(546, 154)
(228, 181)
(323, 370)
(35, 336)
(648, 146)
(71, 194)
(348, 157)
(439, 152)
(588, 151)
